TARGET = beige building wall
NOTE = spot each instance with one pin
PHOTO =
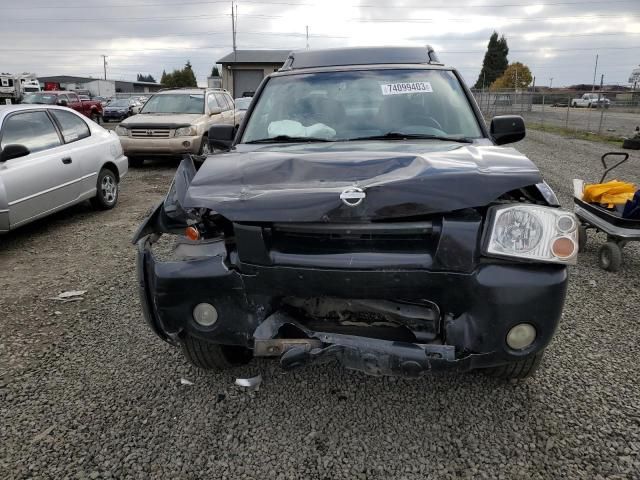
(227, 73)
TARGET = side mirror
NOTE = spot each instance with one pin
(62, 103)
(221, 137)
(215, 111)
(507, 129)
(13, 151)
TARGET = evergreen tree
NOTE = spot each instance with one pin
(179, 78)
(215, 72)
(495, 61)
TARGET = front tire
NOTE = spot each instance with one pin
(517, 370)
(211, 356)
(204, 147)
(107, 190)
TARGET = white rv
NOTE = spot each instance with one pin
(14, 87)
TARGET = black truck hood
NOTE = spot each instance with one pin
(303, 182)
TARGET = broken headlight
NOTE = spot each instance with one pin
(533, 232)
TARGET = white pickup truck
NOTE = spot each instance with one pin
(591, 100)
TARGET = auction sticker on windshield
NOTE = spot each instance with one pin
(400, 88)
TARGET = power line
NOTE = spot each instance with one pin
(295, 34)
(269, 3)
(360, 20)
(460, 19)
(572, 49)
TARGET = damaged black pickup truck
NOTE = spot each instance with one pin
(362, 213)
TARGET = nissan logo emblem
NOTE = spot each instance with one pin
(352, 196)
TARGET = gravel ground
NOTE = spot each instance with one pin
(87, 391)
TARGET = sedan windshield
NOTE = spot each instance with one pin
(175, 103)
(119, 103)
(339, 106)
(41, 98)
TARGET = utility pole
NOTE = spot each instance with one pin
(233, 26)
(601, 106)
(550, 82)
(307, 27)
(593, 85)
(104, 65)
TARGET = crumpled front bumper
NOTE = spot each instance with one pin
(478, 309)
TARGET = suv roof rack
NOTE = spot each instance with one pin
(334, 57)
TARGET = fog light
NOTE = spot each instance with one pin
(186, 144)
(521, 336)
(205, 314)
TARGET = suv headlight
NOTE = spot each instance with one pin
(122, 131)
(533, 232)
(189, 131)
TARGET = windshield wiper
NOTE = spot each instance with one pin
(287, 139)
(412, 136)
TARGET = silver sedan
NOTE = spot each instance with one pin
(51, 158)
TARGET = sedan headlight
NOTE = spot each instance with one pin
(122, 131)
(186, 131)
(533, 232)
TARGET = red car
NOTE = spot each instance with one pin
(89, 108)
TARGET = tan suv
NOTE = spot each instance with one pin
(174, 122)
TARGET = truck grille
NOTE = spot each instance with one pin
(346, 238)
(150, 133)
(407, 244)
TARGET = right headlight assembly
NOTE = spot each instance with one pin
(533, 232)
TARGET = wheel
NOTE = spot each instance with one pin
(136, 162)
(610, 257)
(204, 147)
(631, 143)
(107, 190)
(519, 369)
(582, 238)
(211, 356)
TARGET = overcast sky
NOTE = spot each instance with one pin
(556, 38)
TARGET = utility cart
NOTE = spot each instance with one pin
(619, 230)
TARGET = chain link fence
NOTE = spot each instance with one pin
(608, 113)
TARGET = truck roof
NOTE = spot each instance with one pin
(334, 57)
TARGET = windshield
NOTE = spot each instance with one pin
(44, 98)
(175, 103)
(357, 104)
(119, 103)
(242, 103)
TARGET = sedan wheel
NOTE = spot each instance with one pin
(107, 190)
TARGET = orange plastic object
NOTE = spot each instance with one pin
(610, 193)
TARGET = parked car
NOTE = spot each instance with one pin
(89, 108)
(365, 215)
(175, 122)
(591, 100)
(119, 109)
(242, 105)
(84, 98)
(103, 100)
(51, 158)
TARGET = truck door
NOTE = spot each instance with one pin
(75, 103)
